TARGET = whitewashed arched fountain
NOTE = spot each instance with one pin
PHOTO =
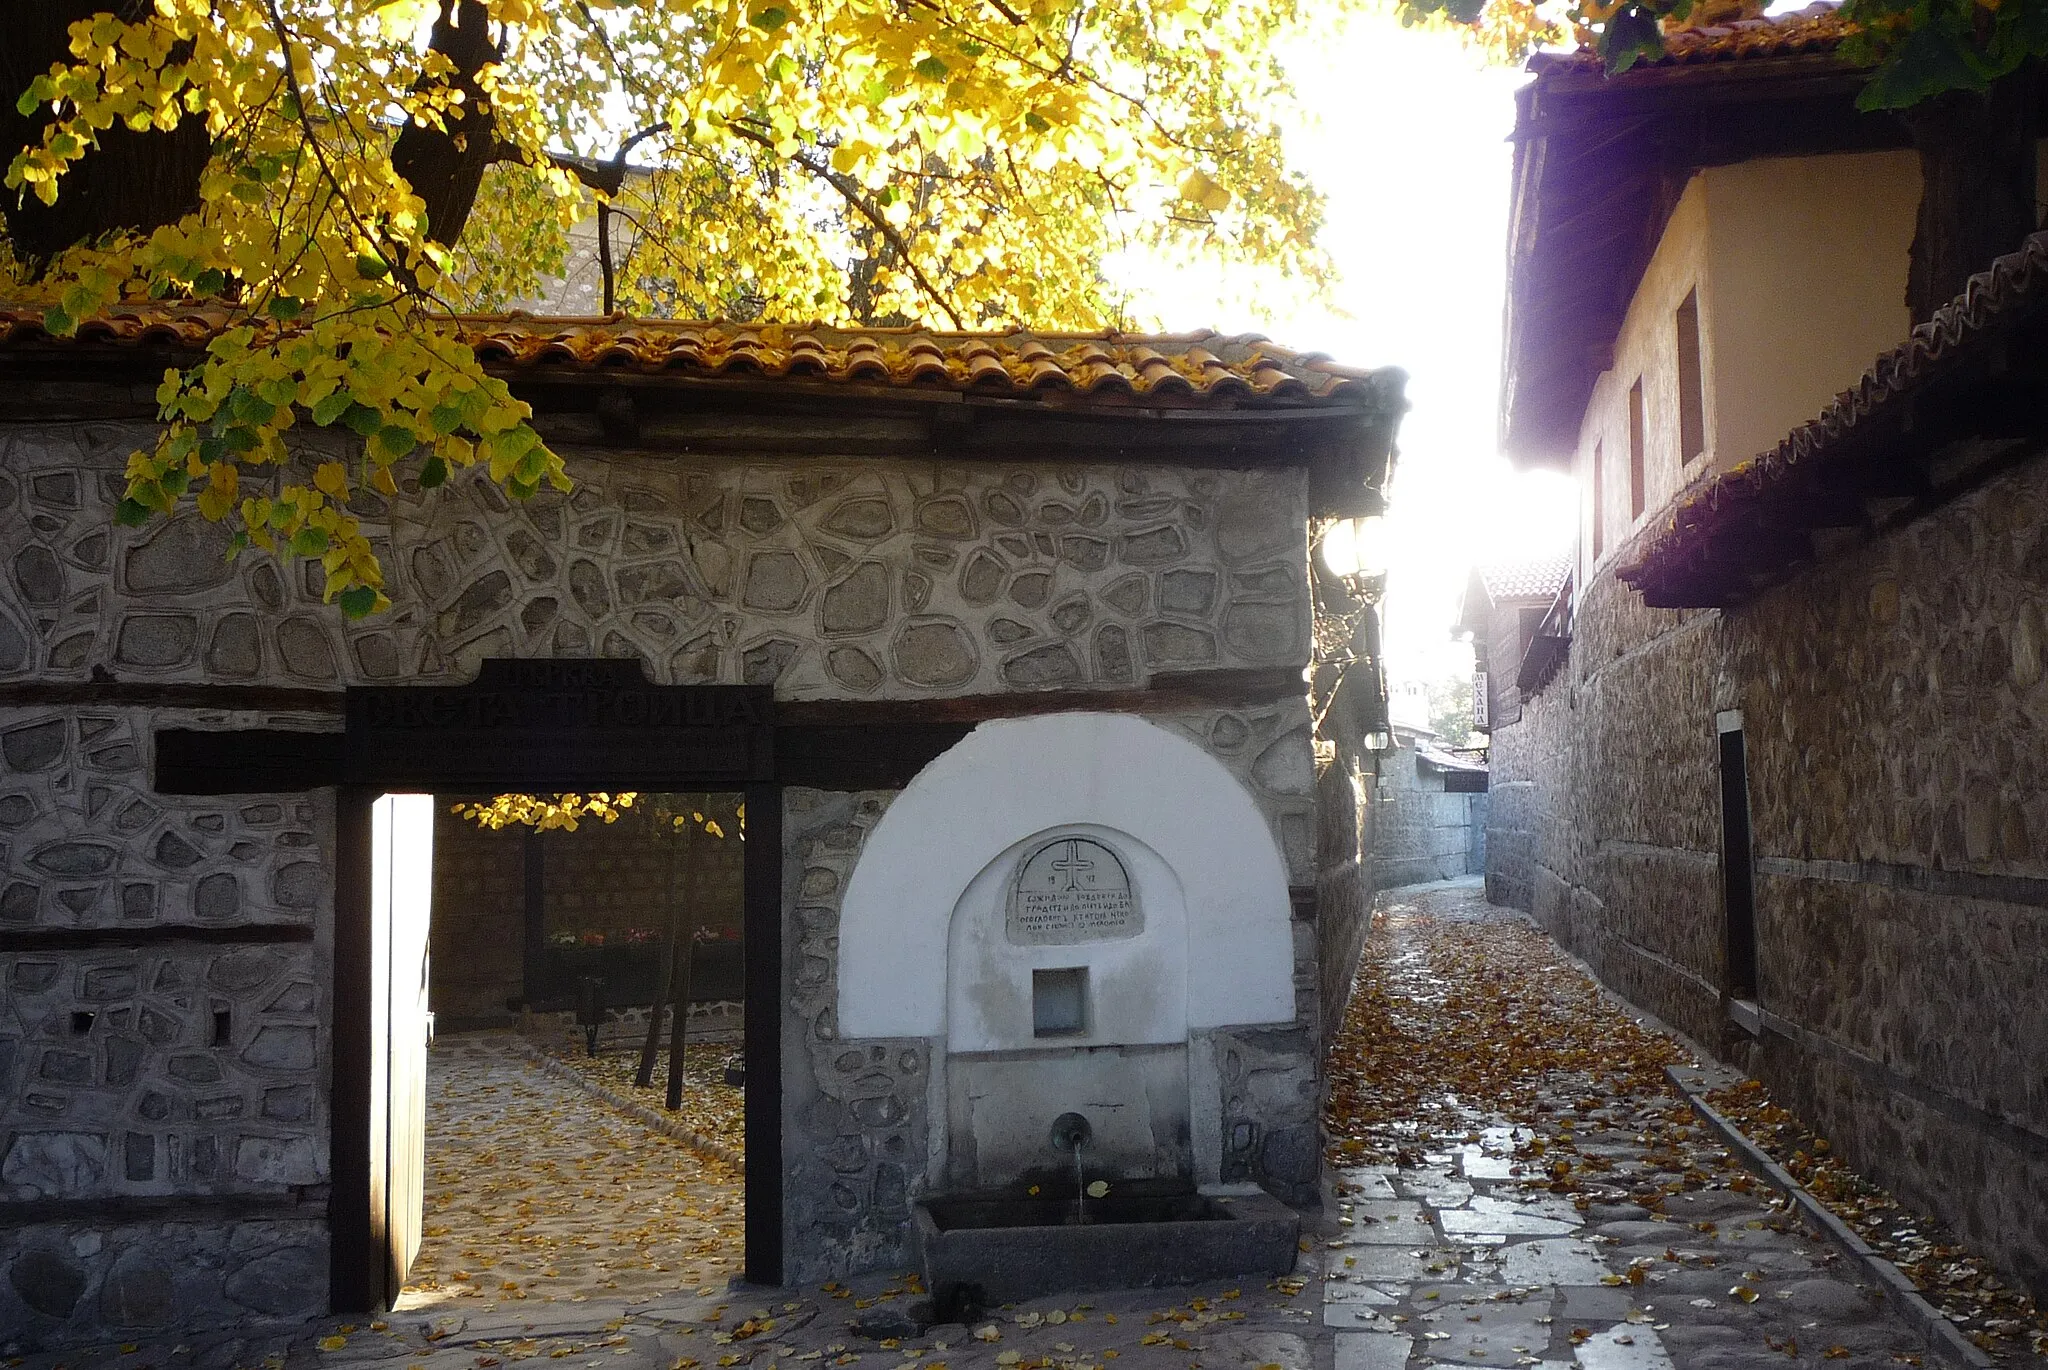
(1066, 907)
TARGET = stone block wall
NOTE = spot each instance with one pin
(164, 1049)
(477, 937)
(606, 876)
(1422, 834)
(617, 876)
(827, 579)
(176, 1064)
(1892, 699)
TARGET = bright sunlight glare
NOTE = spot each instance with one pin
(1409, 143)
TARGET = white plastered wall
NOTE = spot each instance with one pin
(1010, 780)
(1137, 985)
(1800, 263)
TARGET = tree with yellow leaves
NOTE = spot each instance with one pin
(346, 178)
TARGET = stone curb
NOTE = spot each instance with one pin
(1944, 1338)
(641, 1113)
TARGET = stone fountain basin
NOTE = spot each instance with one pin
(1016, 1247)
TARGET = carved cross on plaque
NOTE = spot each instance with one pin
(1072, 889)
(1073, 865)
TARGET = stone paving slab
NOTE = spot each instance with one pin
(1655, 1254)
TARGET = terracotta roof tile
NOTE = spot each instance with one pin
(1534, 578)
(1818, 28)
(2013, 290)
(1183, 367)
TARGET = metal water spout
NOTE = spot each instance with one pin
(1070, 1132)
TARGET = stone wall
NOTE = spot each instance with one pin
(180, 1079)
(826, 579)
(1421, 833)
(1898, 786)
(1347, 820)
(855, 1114)
(189, 1072)
(477, 938)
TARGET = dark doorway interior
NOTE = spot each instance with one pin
(605, 936)
(531, 922)
(1738, 900)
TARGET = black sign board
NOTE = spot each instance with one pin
(559, 724)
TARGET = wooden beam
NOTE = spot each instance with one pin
(246, 761)
(355, 1263)
(152, 935)
(1167, 692)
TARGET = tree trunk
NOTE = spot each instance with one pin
(1977, 186)
(129, 182)
(650, 1048)
(445, 168)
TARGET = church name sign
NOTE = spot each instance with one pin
(1073, 889)
(597, 724)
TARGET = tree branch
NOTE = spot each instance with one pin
(399, 266)
(850, 191)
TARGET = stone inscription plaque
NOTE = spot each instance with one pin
(1072, 890)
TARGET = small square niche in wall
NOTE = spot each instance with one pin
(1059, 1002)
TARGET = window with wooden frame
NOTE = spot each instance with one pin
(1637, 494)
(1692, 392)
(1599, 493)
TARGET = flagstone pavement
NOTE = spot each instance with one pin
(558, 1229)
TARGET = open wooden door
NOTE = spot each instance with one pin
(401, 899)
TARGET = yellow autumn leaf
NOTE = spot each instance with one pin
(1198, 188)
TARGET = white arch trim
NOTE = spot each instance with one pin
(1011, 778)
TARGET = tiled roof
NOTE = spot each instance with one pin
(1536, 578)
(2013, 291)
(1205, 367)
(1818, 28)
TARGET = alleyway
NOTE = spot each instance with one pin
(1521, 1183)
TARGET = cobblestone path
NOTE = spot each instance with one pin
(1520, 1186)
(537, 1190)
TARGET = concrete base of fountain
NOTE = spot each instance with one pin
(1014, 1246)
